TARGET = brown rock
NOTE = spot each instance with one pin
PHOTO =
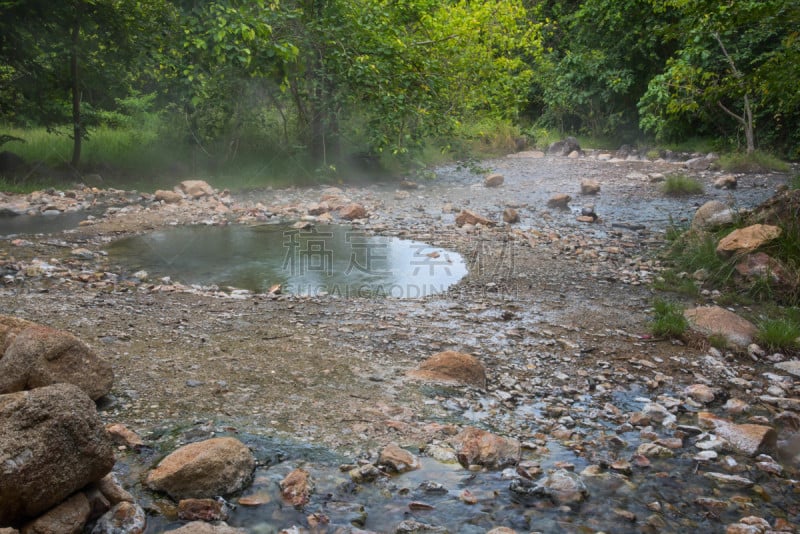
(122, 435)
(352, 211)
(746, 439)
(713, 320)
(452, 367)
(218, 466)
(493, 180)
(296, 487)
(123, 517)
(700, 393)
(196, 188)
(113, 491)
(168, 197)
(199, 527)
(201, 510)
(727, 181)
(69, 517)
(318, 208)
(409, 185)
(397, 459)
(560, 200)
(748, 239)
(34, 356)
(52, 443)
(590, 187)
(478, 447)
(510, 216)
(469, 217)
(502, 530)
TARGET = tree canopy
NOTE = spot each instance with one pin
(333, 78)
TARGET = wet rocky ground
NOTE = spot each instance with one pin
(556, 309)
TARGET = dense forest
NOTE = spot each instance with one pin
(334, 81)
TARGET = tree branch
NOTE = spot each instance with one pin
(731, 113)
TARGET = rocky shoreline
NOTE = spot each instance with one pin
(597, 408)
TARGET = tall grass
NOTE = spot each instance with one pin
(681, 185)
(757, 161)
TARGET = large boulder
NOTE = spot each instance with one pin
(714, 320)
(564, 147)
(745, 240)
(478, 447)
(52, 443)
(711, 215)
(210, 468)
(69, 517)
(749, 439)
(32, 356)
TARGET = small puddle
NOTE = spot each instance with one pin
(13, 225)
(331, 259)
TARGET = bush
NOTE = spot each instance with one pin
(681, 185)
(778, 334)
(755, 162)
(668, 320)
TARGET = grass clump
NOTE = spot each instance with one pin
(668, 319)
(754, 162)
(679, 185)
(779, 334)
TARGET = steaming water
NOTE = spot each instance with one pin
(335, 260)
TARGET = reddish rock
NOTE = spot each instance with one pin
(744, 240)
(110, 487)
(124, 517)
(727, 181)
(493, 180)
(196, 188)
(478, 447)
(318, 208)
(352, 211)
(398, 459)
(762, 266)
(33, 356)
(469, 217)
(69, 517)
(122, 435)
(452, 367)
(746, 439)
(296, 487)
(713, 320)
(218, 466)
(201, 510)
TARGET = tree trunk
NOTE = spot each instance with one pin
(77, 130)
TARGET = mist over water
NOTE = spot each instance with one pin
(333, 260)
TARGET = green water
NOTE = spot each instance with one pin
(334, 260)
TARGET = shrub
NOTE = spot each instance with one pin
(778, 334)
(680, 185)
(668, 319)
(755, 162)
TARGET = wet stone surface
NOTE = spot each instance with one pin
(555, 309)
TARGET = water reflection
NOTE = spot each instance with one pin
(331, 259)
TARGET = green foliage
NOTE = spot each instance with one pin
(668, 319)
(678, 185)
(794, 182)
(757, 161)
(725, 73)
(779, 334)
